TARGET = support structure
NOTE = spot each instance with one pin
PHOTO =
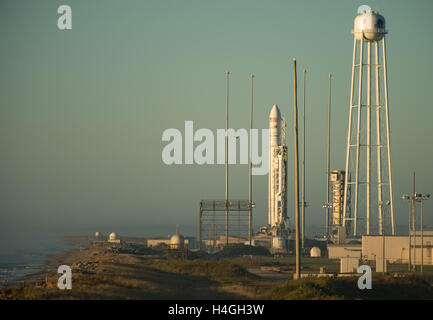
(369, 33)
(212, 223)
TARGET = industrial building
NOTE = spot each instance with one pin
(400, 249)
(337, 251)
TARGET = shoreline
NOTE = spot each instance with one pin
(129, 270)
(49, 265)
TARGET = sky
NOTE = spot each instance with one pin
(82, 111)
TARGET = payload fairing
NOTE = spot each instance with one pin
(277, 180)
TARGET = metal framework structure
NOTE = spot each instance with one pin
(214, 218)
(367, 97)
(336, 179)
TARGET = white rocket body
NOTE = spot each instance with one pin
(277, 180)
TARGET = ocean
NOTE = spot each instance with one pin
(24, 251)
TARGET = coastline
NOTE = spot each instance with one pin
(48, 265)
(129, 270)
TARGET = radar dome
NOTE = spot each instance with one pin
(97, 234)
(370, 26)
(112, 236)
(315, 252)
(176, 239)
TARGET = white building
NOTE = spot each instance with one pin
(337, 251)
(397, 248)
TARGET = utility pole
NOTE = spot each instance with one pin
(410, 237)
(295, 117)
(412, 200)
(420, 198)
(303, 164)
(250, 182)
(328, 168)
(227, 157)
(422, 242)
(413, 223)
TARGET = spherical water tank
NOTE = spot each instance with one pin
(278, 243)
(369, 25)
(315, 252)
(112, 236)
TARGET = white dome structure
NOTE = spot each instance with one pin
(369, 26)
(315, 252)
(113, 238)
(96, 234)
(176, 241)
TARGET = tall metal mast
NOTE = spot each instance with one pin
(328, 162)
(295, 117)
(250, 182)
(227, 157)
(303, 163)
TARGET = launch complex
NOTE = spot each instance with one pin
(360, 206)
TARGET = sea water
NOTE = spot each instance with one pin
(24, 251)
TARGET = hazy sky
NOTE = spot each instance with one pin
(82, 111)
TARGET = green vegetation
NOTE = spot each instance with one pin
(236, 250)
(384, 287)
(214, 269)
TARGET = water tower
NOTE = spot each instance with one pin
(368, 180)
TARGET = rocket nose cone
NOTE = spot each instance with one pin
(275, 112)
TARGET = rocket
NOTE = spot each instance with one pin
(277, 179)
